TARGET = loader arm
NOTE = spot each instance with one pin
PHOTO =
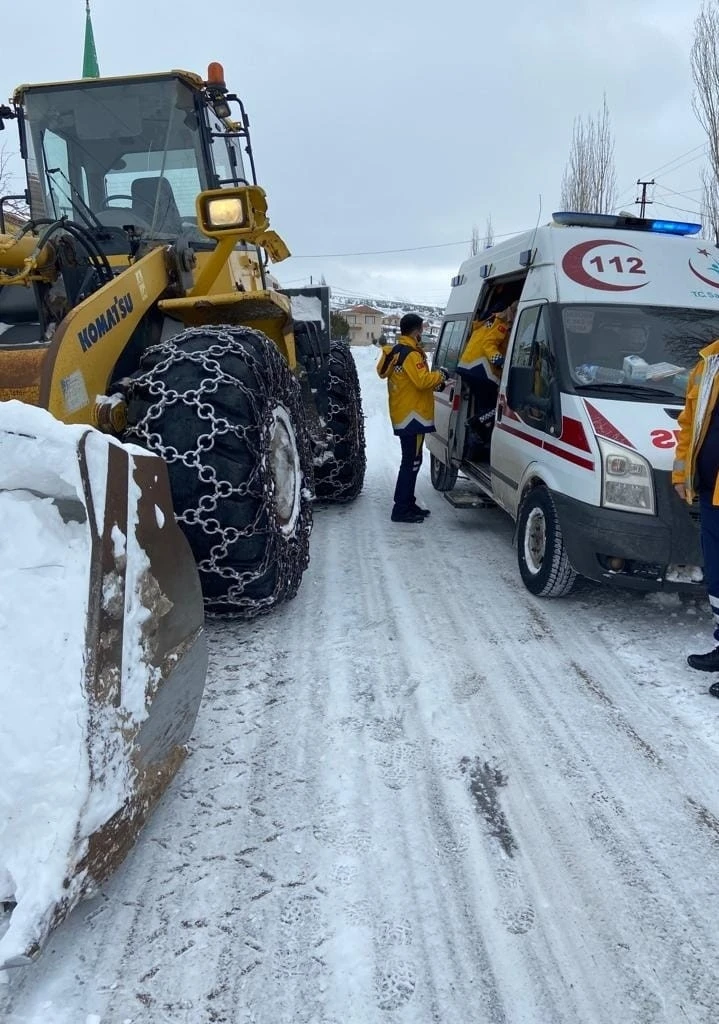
(89, 341)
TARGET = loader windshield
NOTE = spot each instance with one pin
(117, 154)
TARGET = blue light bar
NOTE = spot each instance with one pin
(622, 222)
(674, 227)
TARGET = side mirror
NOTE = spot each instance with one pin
(5, 112)
(519, 386)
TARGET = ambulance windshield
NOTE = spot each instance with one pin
(633, 349)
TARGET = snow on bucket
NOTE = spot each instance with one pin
(102, 659)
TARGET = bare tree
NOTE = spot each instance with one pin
(589, 183)
(15, 206)
(488, 240)
(474, 243)
(710, 205)
(705, 72)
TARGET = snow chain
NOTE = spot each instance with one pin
(239, 377)
(340, 462)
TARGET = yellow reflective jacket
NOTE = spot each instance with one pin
(410, 386)
(702, 394)
(483, 356)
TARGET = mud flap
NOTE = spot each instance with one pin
(104, 662)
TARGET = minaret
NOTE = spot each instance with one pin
(90, 67)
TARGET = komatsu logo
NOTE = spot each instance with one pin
(99, 327)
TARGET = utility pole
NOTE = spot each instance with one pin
(643, 200)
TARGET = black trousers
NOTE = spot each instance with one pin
(412, 447)
(709, 526)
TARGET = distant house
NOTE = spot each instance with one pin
(391, 320)
(365, 323)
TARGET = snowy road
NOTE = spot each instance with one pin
(418, 795)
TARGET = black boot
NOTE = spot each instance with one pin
(409, 516)
(708, 662)
(714, 690)
(421, 511)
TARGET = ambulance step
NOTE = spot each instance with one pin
(468, 499)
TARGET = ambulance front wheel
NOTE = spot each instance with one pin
(543, 562)
(443, 477)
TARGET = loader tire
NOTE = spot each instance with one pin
(340, 466)
(221, 407)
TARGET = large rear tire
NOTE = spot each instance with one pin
(221, 407)
(340, 467)
(543, 561)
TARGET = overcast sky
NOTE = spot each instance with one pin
(395, 124)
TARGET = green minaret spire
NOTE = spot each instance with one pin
(90, 67)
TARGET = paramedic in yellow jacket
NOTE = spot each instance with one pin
(483, 358)
(411, 386)
(696, 472)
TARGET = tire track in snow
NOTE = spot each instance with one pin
(518, 668)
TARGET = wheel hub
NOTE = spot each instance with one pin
(285, 469)
(535, 540)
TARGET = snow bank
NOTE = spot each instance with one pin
(49, 750)
(44, 773)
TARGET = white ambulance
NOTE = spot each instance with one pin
(612, 313)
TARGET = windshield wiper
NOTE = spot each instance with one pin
(91, 220)
(631, 389)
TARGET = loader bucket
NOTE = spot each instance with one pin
(102, 662)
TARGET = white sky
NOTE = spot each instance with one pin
(391, 126)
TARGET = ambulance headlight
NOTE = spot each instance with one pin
(627, 482)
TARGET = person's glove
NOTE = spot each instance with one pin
(445, 377)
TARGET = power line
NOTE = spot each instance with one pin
(387, 252)
(701, 146)
(697, 150)
(683, 195)
(680, 209)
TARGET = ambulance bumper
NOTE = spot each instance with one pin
(630, 549)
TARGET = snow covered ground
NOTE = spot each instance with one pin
(418, 795)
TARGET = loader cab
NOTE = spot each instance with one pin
(128, 157)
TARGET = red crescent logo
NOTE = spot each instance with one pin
(573, 266)
(706, 280)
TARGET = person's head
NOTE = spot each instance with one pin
(411, 326)
(508, 314)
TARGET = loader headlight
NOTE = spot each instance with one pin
(241, 210)
(626, 479)
(226, 213)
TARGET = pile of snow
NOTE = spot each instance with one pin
(48, 806)
(44, 772)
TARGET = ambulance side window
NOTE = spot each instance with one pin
(440, 354)
(449, 345)
(533, 355)
(542, 356)
(524, 337)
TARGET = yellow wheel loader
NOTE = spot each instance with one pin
(167, 415)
